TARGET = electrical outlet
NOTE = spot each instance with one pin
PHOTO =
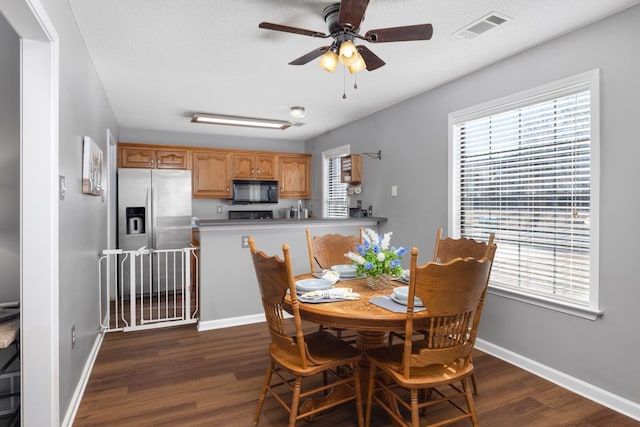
(62, 186)
(73, 337)
(219, 209)
(245, 241)
(394, 191)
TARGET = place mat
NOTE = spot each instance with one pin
(389, 304)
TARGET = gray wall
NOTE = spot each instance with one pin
(413, 137)
(9, 163)
(84, 111)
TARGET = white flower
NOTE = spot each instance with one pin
(371, 236)
(381, 257)
(386, 239)
(355, 257)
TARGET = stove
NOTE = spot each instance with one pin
(250, 214)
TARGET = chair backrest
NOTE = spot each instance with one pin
(330, 249)
(275, 278)
(448, 249)
(453, 294)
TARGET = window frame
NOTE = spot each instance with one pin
(589, 80)
(341, 151)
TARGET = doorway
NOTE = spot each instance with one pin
(38, 210)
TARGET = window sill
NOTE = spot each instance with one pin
(563, 307)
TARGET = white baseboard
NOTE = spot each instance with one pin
(589, 391)
(233, 321)
(72, 410)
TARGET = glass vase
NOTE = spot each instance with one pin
(381, 281)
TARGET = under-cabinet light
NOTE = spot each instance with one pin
(215, 119)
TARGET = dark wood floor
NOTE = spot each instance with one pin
(182, 377)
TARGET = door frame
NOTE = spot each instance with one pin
(39, 269)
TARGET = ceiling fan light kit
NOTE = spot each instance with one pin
(343, 20)
(216, 119)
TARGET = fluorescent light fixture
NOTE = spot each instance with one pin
(216, 119)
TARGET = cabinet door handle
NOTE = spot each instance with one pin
(258, 172)
(227, 189)
(253, 171)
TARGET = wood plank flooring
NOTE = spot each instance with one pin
(181, 377)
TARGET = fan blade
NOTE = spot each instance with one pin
(372, 60)
(294, 30)
(352, 13)
(310, 56)
(400, 34)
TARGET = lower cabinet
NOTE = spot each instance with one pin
(211, 174)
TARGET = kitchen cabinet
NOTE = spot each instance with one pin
(254, 166)
(351, 169)
(211, 174)
(294, 176)
(152, 157)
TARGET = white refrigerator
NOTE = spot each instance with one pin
(154, 211)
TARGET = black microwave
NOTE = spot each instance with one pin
(247, 191)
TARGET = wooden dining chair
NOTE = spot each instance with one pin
(453, 294)
(448, 249)
(326, 251)
(296, 359)
(330, 249)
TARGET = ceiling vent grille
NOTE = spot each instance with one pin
(482, 25)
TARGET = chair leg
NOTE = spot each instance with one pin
(469, 398)
(372, 386)
(263, 393)
(356, 383)
(295, 402)
(474, 384)
(415, 414)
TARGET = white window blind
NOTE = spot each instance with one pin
(337, 199)
(524, 173)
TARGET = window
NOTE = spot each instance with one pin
(524, 168)
(336, 203)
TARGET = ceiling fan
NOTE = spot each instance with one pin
(343, 20)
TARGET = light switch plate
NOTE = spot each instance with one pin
(245, 241)
(394, 191)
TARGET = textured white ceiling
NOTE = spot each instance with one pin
(162, 60)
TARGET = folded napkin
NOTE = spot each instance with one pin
(334, 293)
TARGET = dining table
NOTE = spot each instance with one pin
(370, 321)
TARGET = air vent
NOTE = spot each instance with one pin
(482, 25)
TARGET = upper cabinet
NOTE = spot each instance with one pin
(294, 176)
(254, 166)
(211, 174)
(152, 157)
(351, 169)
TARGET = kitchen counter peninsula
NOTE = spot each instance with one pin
(229, 292)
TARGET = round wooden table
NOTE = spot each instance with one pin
(371, 322)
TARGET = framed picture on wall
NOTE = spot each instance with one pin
(91, 167)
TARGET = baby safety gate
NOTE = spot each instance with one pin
(147, 288)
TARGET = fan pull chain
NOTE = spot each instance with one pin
(344, 83)
(355, 81)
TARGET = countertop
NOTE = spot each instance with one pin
(280, 221)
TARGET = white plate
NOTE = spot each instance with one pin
(346, 270)
(405, 275)
(401, 292)
(308, 285)
(417, 301)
